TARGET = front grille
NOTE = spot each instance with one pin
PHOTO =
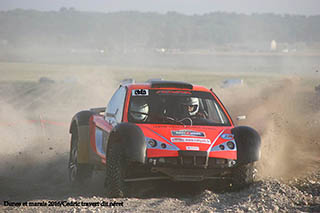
(190, 162)
(193, 153)
(201, 160)
(187, 161)
(193, 158)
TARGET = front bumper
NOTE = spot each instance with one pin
(191, 159)
(187, 166)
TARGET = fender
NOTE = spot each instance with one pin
(248, 144)
(80, 125)
(131, 139)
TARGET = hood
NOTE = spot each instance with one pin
(196, 138)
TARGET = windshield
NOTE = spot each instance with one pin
(175, 107)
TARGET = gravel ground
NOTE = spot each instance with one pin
(269, 195)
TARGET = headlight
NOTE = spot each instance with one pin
(230, 145)
(163, 146)
(221, 147)
(152, 143)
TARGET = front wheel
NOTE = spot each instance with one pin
(116, 168)
(243, 176)
(78, 173)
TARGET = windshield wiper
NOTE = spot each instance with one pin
(186, 118)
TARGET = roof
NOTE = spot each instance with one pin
(161, 84)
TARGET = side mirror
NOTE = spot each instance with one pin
(99, 110)
(241, 117)
(109, 114)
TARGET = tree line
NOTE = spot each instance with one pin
(72, 28)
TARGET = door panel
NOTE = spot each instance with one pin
(100, 130)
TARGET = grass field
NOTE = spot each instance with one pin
(32, 72)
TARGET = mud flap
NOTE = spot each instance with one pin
(83, 144)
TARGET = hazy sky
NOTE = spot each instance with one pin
(305, 7)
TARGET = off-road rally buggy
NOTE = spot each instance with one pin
(161, 130)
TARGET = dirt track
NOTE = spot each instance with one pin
(34, 152)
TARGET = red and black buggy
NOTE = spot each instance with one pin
(161, 130)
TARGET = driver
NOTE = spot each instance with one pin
(139, 110)
(191, 106)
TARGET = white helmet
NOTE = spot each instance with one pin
(192, 105)
(139, 110)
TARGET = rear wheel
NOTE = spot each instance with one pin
(116, 168)
(243, 176)
(78, 172)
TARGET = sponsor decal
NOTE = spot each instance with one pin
(227, 136)
(140, 92)
(173, 92)
(193, 148)
(191, 140)
(186, 132)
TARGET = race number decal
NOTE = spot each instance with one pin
(140, 92)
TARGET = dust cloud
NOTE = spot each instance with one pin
(285, 114)
(34, 124)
